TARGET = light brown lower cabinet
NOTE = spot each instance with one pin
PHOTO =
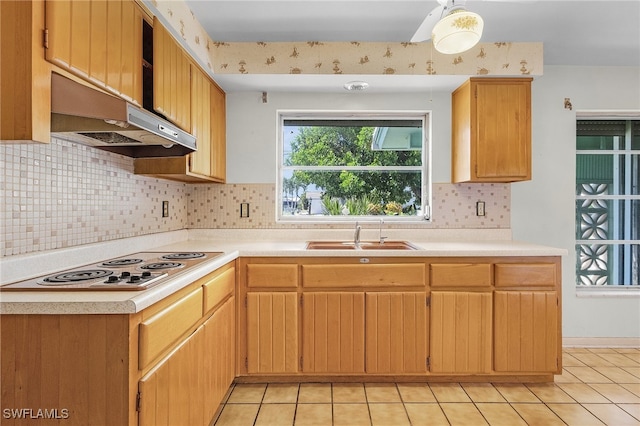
(526, 331)
(396, 332)
(272, 332)
(89, 365)
(461, 332)
(480, 318)
(77, 363)
(188, 385)
(333, 332)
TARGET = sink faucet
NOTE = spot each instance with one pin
(381, 237)
(356, 236)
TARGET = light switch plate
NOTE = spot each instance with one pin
(480, 208)
(165, 209)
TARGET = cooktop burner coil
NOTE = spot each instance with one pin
(121, 262)
(76, 276)
(162, 265)
(183, 256)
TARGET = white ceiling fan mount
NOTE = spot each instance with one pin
(452, 28)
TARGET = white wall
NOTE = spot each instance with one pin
(542, 210)
(252, 127)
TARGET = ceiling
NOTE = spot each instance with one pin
(573, 32)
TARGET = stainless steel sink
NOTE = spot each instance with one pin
(363, 245)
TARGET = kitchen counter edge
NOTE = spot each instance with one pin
(127, 302)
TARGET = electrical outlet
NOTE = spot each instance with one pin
(244, 209)
(165, 209)
(480, 208)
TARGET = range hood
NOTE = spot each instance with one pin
(90, 117)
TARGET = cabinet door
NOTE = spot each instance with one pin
(25, 80)
(166, 392)
(333, 333)
(396, 332)
(171, 79)
(200, 162)
(460, 337)
(100, 41)
(189, 384)
(502, 129)
(526, 331)
(218, 134)
(219, 358)
(272, 332)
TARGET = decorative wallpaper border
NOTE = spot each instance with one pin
(502, 59)
(354, 57)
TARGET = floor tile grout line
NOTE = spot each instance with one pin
(632, 415)
(474, 403)
(595, 415)
(635, 375)
(404, 406)
(366, 399)
(295, 411)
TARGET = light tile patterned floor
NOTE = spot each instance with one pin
(598, 387)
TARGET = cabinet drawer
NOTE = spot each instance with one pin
(218, 288)
(164, 328)
(327, 276)
(283, 276)
(461, 274)
(526, 274)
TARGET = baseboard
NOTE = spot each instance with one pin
(601, 342)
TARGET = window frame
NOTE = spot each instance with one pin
(426, 187)
(615, 151)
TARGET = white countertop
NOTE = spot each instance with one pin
(232, 244)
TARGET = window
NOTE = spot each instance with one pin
(343, 166)
(607, 202)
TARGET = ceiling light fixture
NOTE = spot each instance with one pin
(356, 86)
(457, 32)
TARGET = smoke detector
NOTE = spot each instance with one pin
(354, 86)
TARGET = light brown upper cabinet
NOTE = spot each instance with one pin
(171, 78)
(208, 126)
(200, 122)
(491, 130)
(218, 134)
(208, 163)
(25, 80)
(100, 41)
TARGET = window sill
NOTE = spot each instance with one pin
(608, 291)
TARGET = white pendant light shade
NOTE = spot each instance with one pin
(457, 32)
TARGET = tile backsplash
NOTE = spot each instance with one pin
(454, 206)
(63, 194)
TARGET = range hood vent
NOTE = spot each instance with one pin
(90, 117)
